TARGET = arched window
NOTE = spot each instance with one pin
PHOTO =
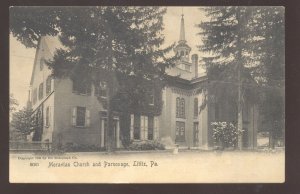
(195, 107)
(182, 53)
(178, 107)
(182, 108)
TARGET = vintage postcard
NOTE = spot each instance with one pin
(122, 94)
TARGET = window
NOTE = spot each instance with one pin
(182, 103)
(180, 107)
(180, 132)
(41, 89)
(177, 107)
(47, 116)
(80, 119)
(48, 85)
(137, 126)
(42, 61)
(150, 127)
(101, 89)
(81, 87)
(195, 107)
(187, 67)
(181, 53)
(34, 96)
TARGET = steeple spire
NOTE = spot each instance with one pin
(182, 31)
(182, 49)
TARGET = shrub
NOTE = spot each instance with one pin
(146, 145)
(226, 134)
(73, 147)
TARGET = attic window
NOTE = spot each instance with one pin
(42, 61)
(101, 89)
(81, 87)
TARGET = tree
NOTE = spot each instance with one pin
(109, 42)
(271, 72)
(246, 43)
(13, 103)
(226, 38)
(22, 121)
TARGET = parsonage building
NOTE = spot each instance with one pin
(66, 113)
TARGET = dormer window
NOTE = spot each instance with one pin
(81, 87)
(42, 61)
(101, 89)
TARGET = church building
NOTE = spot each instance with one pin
(66, 113)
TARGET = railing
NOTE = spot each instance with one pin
(29, 146)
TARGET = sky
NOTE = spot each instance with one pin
(22, 58)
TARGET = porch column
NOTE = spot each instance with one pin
(131, 126)
(118, 133)
(156, 127)
(146, 128)
(102, 133)
(142, 128)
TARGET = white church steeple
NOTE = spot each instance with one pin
(182, 49)
(182, 31)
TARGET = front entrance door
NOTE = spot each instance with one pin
(114, 132)
(196, 134)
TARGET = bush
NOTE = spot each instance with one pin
(73, 147)
(225, 134)
(146, 145)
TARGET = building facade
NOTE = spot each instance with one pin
(66, 112)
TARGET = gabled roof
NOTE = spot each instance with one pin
(52, 43)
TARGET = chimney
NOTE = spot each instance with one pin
(195, 63)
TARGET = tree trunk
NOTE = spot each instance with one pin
(271, 137)
(109, 133)
(110, 84)
(240, 103)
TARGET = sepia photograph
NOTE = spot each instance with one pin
(141, 94)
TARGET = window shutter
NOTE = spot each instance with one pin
(142, 132)
(131, 126)
(74, 112)
(45, 117)
(156, 128)
(49, 118)
(87, 118)
(146, 127)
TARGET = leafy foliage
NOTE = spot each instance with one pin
(73, 147)
(22, 121)
(226, 134)
(28, 24)
(13, 103)
(226, 40)
(249, 41)
(101, 43)
(146, 145)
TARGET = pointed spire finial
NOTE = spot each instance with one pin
(182, 12)
(182, 30)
